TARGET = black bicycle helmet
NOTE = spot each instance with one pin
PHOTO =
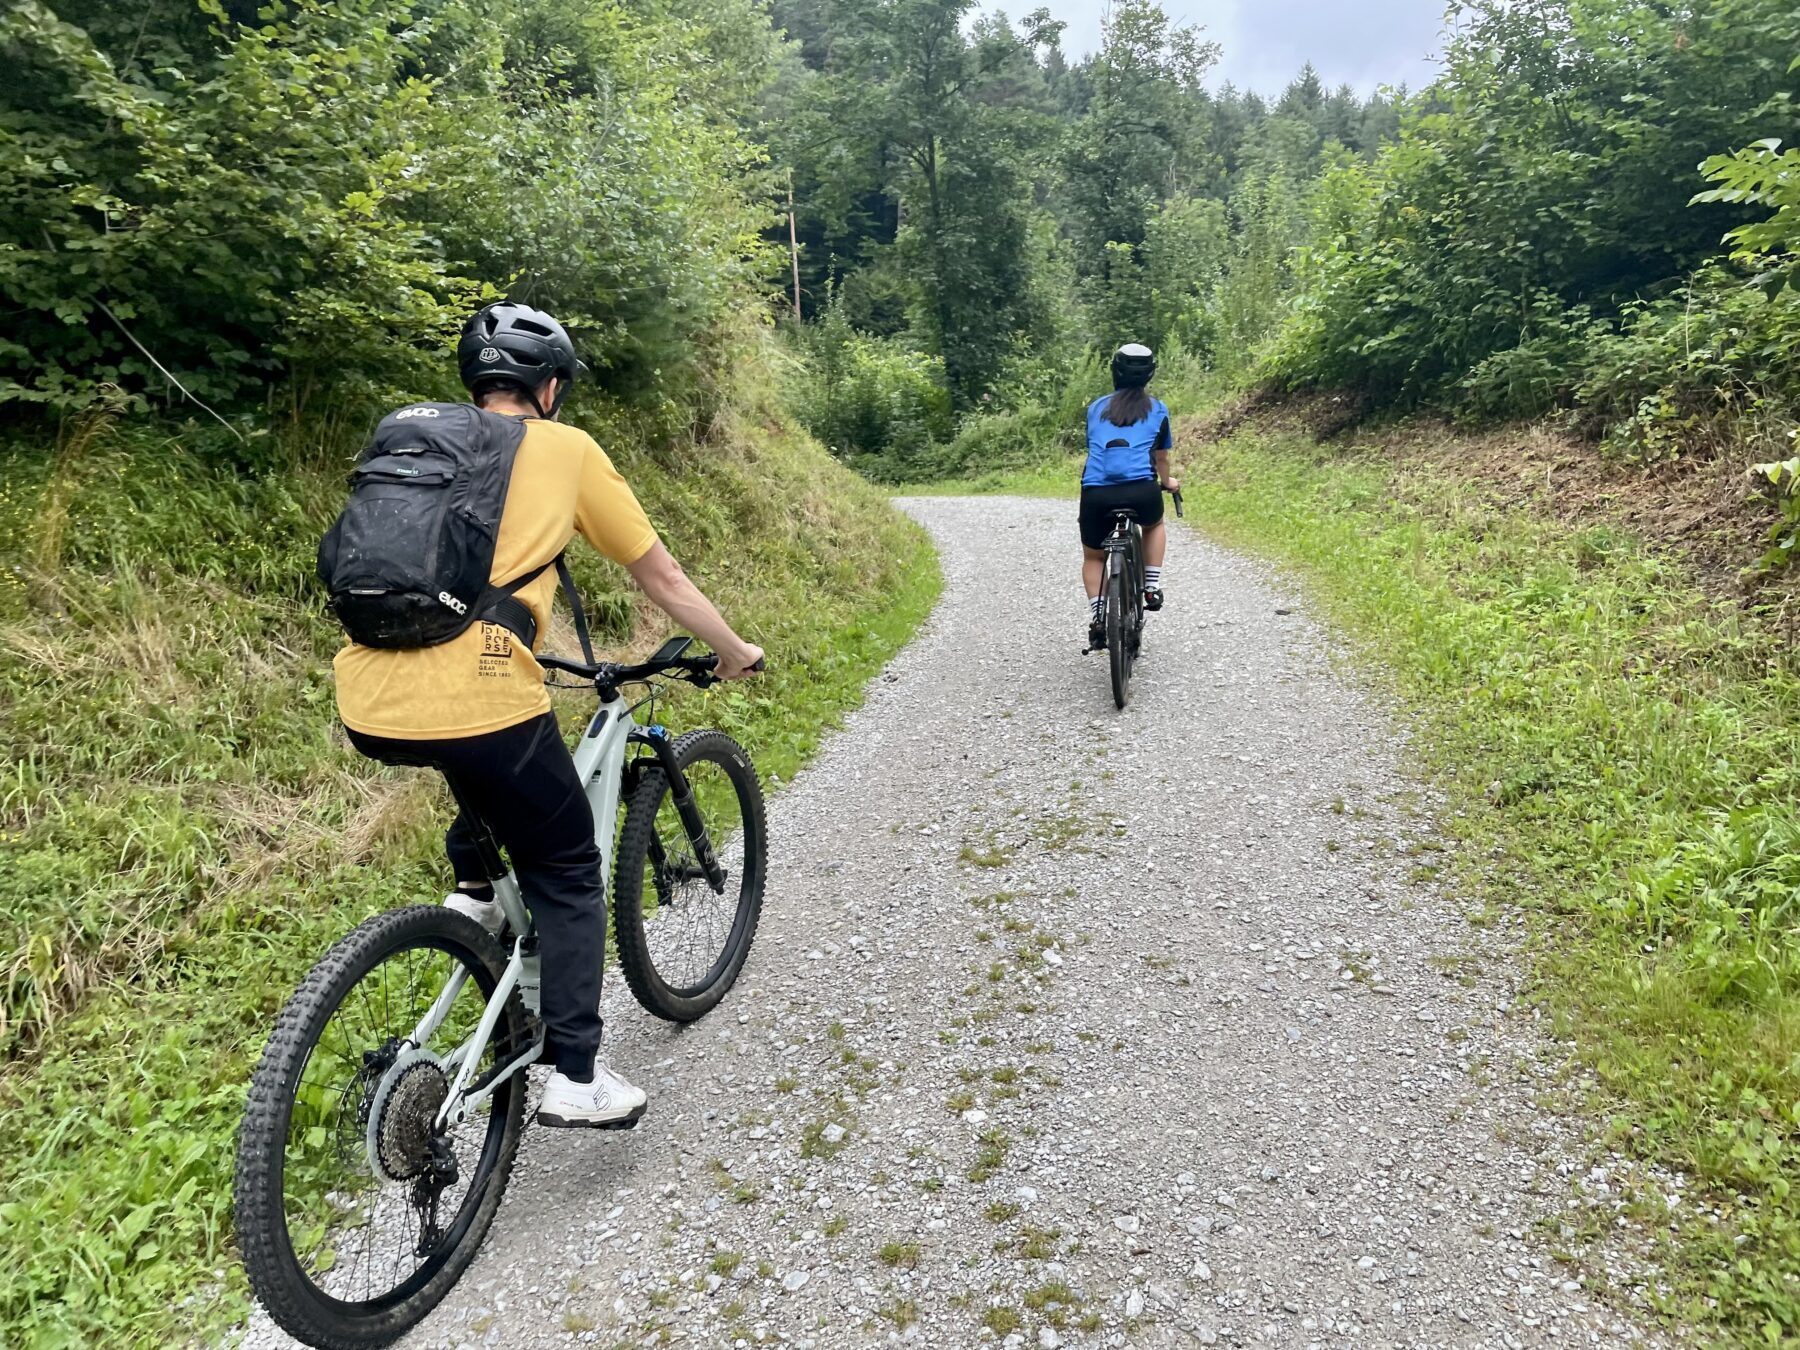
(509, 345)
(1132, 366)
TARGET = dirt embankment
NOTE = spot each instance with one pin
(1706, 509)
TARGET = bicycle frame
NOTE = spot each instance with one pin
(600, 765)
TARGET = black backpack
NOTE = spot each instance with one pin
(408, 562)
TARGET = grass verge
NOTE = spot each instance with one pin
(184, 831)
(1622, 753)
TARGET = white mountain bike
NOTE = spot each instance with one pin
(385, 1113)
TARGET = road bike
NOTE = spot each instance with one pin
(1122, 594)
(384, 1116)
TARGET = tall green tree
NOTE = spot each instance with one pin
(943, 120)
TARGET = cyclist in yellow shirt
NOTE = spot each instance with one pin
(475, 707)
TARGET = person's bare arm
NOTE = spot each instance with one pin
(1160, 459)
(661, 578)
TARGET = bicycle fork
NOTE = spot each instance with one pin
(685, 806)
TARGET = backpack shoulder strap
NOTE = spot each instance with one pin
(506, 609)
(576, 608)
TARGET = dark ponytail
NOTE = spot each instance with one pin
(1128, 406)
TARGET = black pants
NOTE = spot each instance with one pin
(520, 782)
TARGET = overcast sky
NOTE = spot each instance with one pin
(1360, 42)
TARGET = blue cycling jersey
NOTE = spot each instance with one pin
(1123, 454)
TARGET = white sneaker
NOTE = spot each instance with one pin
(607, 1103)
(487, 913)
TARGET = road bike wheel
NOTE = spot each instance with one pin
(354, 1215)
(1118, 634)
(681, 944)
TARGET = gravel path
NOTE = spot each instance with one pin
(1072, 1027)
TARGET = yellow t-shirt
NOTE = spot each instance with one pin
(485, 679)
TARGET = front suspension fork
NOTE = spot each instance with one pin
(685, 806)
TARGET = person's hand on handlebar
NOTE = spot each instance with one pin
(1171, 483)
(741, 663)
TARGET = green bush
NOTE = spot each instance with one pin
(874, 402)
(1717, 363)
(280, 202)
(1544, 177)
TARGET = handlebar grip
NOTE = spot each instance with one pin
(761, 661)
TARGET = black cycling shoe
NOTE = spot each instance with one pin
(1096, 634)
(1153, 598)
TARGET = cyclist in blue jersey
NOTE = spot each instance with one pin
(1128, 443)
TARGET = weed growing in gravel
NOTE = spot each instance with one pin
(1031, 1244)
(1001, 1211)
(994, 899)
(786, 1083)
(900, 1255)
(1002, 1321)
(1053, 1301)
(725, 1264)
(958, 1102)
(575, 1322)
(824, 1138)
(990, 1157)
(1055, 832)
(902, 1313)
(989, 855)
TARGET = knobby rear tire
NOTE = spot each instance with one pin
(649, 985)
(279, 1283)
(1118, 632)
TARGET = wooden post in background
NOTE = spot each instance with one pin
(794, 245)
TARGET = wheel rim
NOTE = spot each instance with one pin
(367, 1236)
(691, 931)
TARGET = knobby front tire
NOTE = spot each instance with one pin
(316, 1221)
(681, 944)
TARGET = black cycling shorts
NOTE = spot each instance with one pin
(1098, 503)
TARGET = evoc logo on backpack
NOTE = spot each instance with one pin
(418, 532)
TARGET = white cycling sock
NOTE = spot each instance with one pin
(1097, 607)
(1152, 578)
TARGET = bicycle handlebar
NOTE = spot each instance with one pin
(696, 670)
(1176, 494)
